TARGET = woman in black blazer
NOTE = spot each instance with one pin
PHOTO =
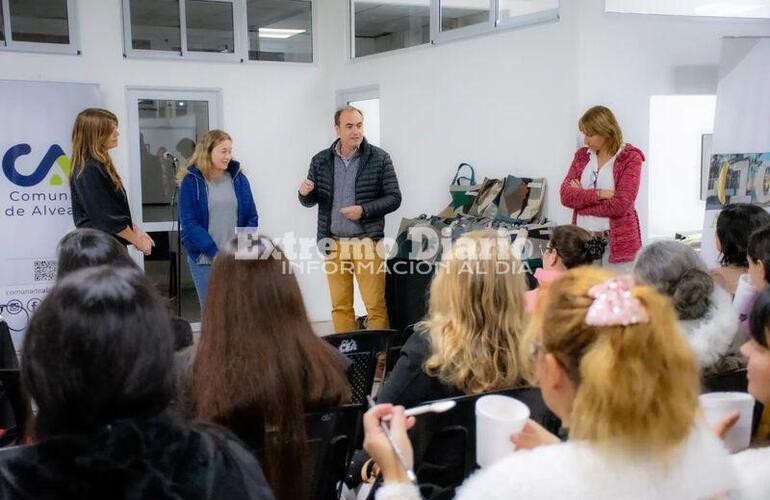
(99, 199)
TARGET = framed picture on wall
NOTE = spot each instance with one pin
(705, 165)
(739, 178)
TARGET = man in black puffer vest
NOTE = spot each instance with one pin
(355, 186)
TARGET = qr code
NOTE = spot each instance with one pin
(45, 270)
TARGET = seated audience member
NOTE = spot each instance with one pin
(469, 341)
(97, 362)
(758, 256)
(86, 247)
(705, 312)
(625, 387)
(260, 367)
(734, 225)
(753, 465)
(89, 248)
(570, 246)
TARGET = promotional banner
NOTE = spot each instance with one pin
(35, 135)
(741, 141)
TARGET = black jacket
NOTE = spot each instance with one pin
(155, 458)
(376, 189)
(96, 203)
(408, 385)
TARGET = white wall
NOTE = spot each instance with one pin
(503, 103)
(276, 112)
(509, 102)
(677, 124)
(506, 103)
(624, 59)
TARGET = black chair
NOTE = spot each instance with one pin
(362, 347)
(330, 439)
(445, 443)
(394, 349)
(331, 436)
(15, 405)
(407, 284)
(8, 358)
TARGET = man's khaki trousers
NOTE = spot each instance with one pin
(359, 258)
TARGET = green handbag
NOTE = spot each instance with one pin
(463, 190)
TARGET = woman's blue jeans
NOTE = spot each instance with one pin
(200, 276)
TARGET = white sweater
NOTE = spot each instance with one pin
(753, 470)
(700, 469)
(712, 336)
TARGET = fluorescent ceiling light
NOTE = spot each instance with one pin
(278, 32)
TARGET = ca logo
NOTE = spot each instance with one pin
(55, 155)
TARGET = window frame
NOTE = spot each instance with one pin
(544, 16)
(363, 93)
(240, 37)
(10, 45)
(437, 37)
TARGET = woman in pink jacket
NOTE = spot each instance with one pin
(602, 184)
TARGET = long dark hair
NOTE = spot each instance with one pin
(98, 349)
(87, 247)
(93, 126)
(735, 224)
(259, 360)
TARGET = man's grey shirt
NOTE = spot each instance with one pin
(345, 170)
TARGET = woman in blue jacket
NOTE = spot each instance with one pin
(214, 199)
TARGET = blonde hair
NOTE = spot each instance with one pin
(599, 120)
(476, 315)
(201, 157)
(93, 127)
(637, 386)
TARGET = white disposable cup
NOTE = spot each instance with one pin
(497, 417)
(717, 406)
(744, 296)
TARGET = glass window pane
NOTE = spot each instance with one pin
(280, 30)
(41, 21)
(155, 25)
(2, 24)
(461, 13)
(167, 130)
(383, 26)
(515, 8)
(210, 27)
(371, 111)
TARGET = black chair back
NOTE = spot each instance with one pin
(394, 349)
(331, 435)
(407, 284)
(362, 348)
(445, 443)
(8, 358)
